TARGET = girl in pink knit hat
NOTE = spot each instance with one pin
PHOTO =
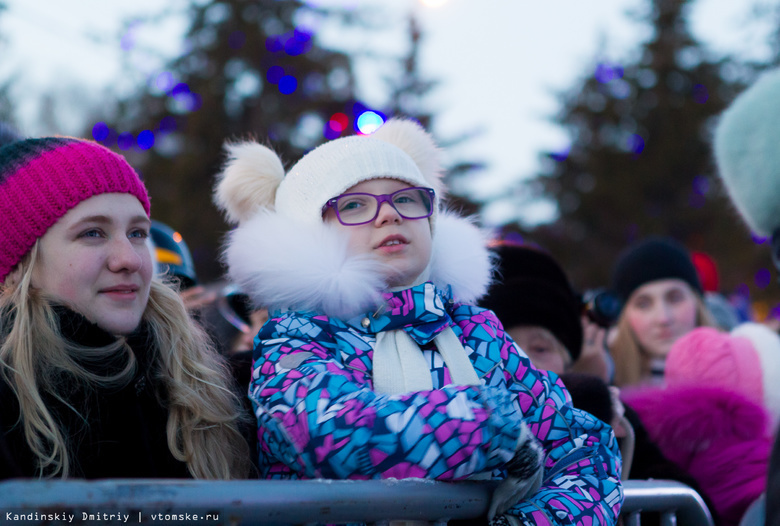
(102, 372)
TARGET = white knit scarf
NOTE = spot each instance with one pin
(400, 366)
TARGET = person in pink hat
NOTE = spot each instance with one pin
(102, 372)
(712, 417)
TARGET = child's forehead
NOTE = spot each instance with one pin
(382, 185)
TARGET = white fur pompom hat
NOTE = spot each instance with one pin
(285, 256)
(747, 152)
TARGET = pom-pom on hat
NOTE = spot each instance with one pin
(253, 177)
(747, 153)
(652, 259)
(531, 289)
(747, 361)
(41, 179)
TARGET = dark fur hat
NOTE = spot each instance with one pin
(531, 289)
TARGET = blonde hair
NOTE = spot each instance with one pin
(203, 413)
(632, 364)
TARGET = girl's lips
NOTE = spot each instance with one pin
(121, 292)
(393, 244)
(394, 240)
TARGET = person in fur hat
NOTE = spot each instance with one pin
(374, 362)
(746, 152)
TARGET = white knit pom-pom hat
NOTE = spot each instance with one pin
(253, 178)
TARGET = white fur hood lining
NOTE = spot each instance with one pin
(283, 264)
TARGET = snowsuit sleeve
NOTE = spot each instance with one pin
(319, 418)
(582, 459)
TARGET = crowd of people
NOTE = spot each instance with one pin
(364, 331)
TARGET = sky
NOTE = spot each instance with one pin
(500, 64)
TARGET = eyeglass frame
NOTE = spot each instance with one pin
(381, 198)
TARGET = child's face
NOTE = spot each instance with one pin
(95, 260)
(403, 244)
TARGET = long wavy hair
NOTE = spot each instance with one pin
(204, 415)
(632, 363)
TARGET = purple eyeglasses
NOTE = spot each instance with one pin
(361, 208)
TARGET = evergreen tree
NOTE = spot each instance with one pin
(252, 69)
(640, 160)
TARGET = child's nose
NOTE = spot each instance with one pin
(387, 214)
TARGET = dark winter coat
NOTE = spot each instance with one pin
(123, 430)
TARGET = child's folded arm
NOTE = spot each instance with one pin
(322, 419)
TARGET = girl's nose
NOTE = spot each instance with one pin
(387, 214)
(126, 256)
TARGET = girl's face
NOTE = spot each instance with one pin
(95, 260)
(403, 244)
(544, 350)
(660, 312)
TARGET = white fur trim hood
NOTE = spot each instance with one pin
(283, 264)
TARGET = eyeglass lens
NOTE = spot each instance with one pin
(410, 203)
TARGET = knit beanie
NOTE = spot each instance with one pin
(747, 153)
(531, 289)
(653, 259)
(41, 179)
(253, 177)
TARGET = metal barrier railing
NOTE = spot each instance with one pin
(295, 502)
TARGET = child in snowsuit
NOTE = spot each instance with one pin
(375, 363)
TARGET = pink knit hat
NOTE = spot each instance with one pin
(746, 361)
(41, 179)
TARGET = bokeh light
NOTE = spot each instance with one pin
(179, 88)
(288, 84)
(275, 74)
(561, 155)
(700, 94)
(636, 144)
(125, 141)
(338, 122)
(608, 72)
(100, 131)
(145, 140)
(758, 239)
(369, 121)
(701, 184)
(297, 43)
(164, 81)
(274, 44)
(763, 278)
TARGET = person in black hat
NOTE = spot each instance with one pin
(662, 301)
(537, 306)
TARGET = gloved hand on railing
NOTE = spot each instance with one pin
(524, 476)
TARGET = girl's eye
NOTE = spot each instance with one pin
(643, 303)
(91, 233)
(350, 204)
(140, 233)
(675, 296)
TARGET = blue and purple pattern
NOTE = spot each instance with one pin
(319, 417)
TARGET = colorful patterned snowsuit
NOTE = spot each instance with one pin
(318, 416)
